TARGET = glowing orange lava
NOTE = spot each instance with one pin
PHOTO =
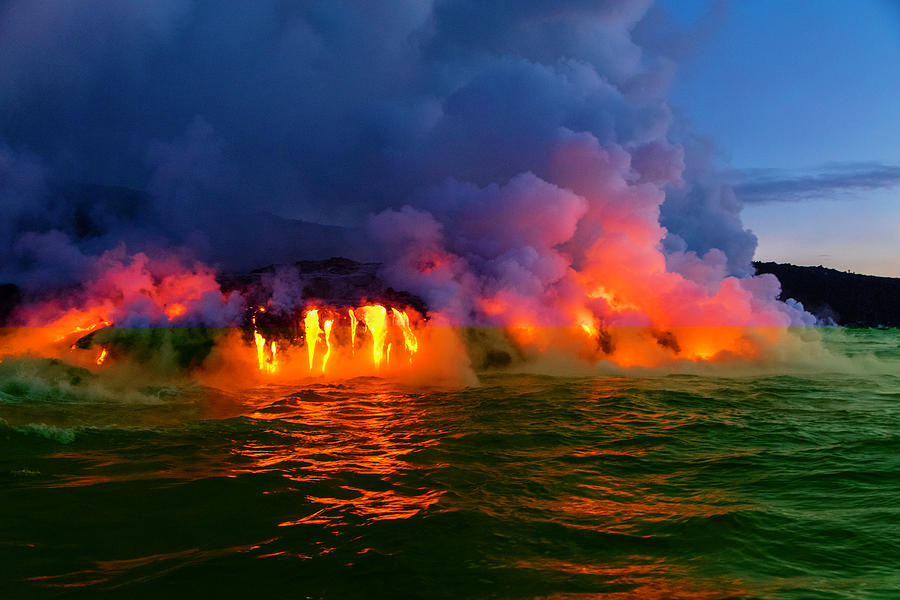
(331, 336)
(632, 315)
(266, 354)
(175, 310)
(312, 331)
(409, 338)
(327, 331)
(353, 323)
(375, 319)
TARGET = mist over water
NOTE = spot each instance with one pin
(774, 484)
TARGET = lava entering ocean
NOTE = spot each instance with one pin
(150, 314)
(532, 196)
(336, 337)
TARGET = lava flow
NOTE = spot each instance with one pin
(332, 336)
(181, 319)
(266, 354)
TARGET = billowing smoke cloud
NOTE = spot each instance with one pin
(529, 141)
(585, 249)
(703, 217)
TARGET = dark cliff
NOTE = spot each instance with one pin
(848, 299)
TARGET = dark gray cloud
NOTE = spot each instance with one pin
(225, 113)
(829, 181)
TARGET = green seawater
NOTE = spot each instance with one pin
(771, 485)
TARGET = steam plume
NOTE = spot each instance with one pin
(506, 159)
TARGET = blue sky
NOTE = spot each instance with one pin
(796, 86)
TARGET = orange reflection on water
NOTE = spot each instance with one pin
(349, 454)
(368, 504)
(328, 434)
(616, 505)
(645, 578)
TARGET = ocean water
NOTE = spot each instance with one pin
(771, 485)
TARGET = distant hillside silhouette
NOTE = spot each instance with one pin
(848, 299)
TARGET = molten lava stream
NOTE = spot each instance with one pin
(266, 354)
(409, 338)
(312, 330)
(375, 319)
(353, 323)
(327, 333)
